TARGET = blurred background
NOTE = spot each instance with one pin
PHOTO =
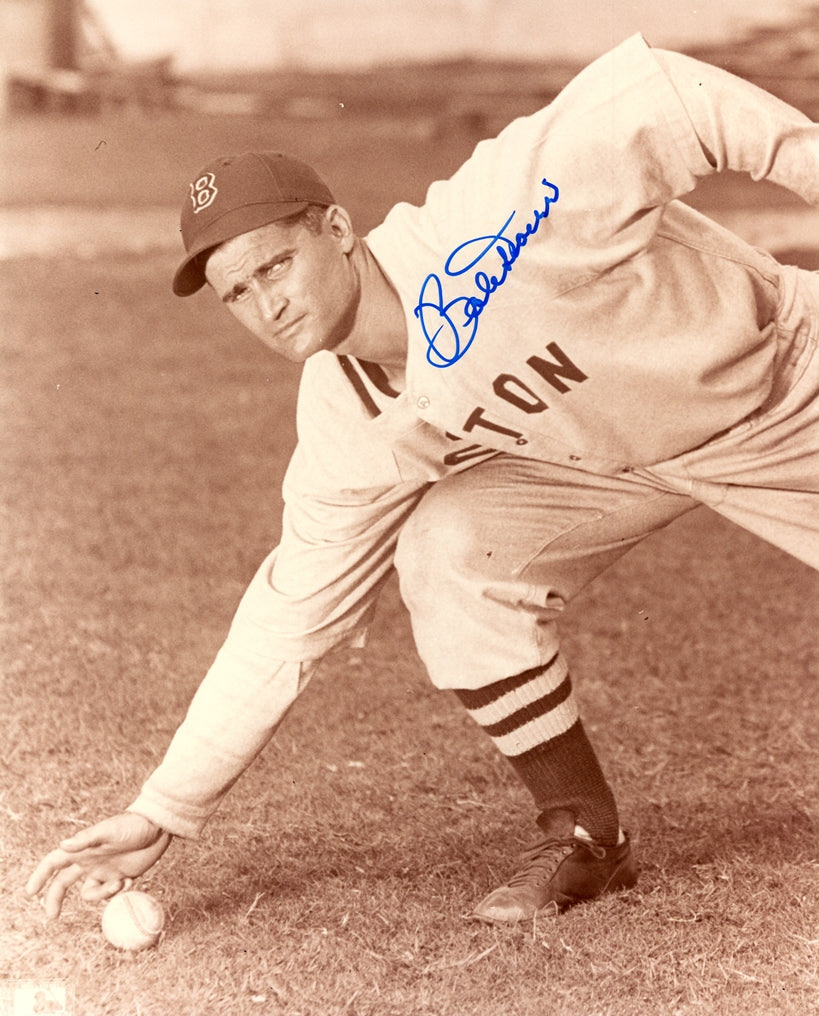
(67, 50)
(260, 34)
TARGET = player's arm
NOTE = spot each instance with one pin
(743, 128)
(635, 130)
(313, 593)
(632, 132)
(323, 597)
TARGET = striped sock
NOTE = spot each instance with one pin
(533, 720)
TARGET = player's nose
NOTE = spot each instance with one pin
(270, 303)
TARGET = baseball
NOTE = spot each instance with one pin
(133, 920)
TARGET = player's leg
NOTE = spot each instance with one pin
(487, 563)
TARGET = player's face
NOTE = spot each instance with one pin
(295, 289)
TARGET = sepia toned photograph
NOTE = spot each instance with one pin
(409, 510)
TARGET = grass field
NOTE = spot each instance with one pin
(144, 440)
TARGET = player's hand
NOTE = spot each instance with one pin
(106, 856)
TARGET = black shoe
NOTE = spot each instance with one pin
(556, 875)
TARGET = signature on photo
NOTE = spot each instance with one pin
(450, 325)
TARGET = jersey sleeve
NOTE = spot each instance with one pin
(344, 509)
(631, 133)
(232, 716)
(743, 128)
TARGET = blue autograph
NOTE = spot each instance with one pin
(453, 324)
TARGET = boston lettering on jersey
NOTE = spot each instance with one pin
(450, 325)
(518, 393)
(522, 395)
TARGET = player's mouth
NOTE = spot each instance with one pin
(285, 330)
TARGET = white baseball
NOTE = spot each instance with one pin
(133, 920)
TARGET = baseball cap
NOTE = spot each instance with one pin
(235, 194)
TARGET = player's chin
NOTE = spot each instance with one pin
(306, 344)
(303, 353)
(295, 346)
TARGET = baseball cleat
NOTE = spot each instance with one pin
(557, 874)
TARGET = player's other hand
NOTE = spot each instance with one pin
(106, 857)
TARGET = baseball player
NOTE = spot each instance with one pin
(503, 391)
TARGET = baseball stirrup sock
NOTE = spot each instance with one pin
(533, 720)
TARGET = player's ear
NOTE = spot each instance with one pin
(341, 227)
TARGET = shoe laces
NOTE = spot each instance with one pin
(541, 861)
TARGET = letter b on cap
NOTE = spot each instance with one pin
(203, 191)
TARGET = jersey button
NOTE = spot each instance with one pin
(574, 458)
(422, 402)
(521, 440)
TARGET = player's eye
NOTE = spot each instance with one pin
(275, 268)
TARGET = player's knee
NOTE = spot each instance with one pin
(439, 543)
(473, 619)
